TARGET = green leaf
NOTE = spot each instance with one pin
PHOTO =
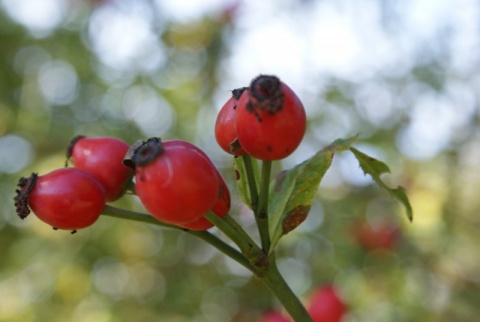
(375, 168)
(245, 167)
(295, 190)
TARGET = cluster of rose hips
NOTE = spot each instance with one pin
(325, 305)
(175, 180)
(73, 198)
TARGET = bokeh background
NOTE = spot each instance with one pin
(405, 75)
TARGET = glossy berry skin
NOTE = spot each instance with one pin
(273, 316)
(220, 208)
(270, 120)
(325, 305)
(65, 198)
(225, 130)
(175, 181)
(102, 157)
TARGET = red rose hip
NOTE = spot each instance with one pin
(220, 208)
(325, 305)
(102, 157)
(382, 235)
(175, 181)
(273, 316)
(65, 198)
(270, 120)
(225, 130)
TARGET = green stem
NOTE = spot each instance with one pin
(253, 258)
(259, 199)
(204, 235)
(252, 184)
(224, 248)
(277, 284)
(262, 211)
(265, 268)
(237, 234)
(135, 216)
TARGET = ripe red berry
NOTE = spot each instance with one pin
(383, 235)
(175, 181)
(225, 130)
(102, 157)
(273, 316)
(270, 120)
(220, 208)
(325, 305)
(66, 198)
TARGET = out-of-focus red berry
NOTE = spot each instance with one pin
(326, 305)
(380, 235)
(274, 316)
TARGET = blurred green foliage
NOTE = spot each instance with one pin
(56, 85)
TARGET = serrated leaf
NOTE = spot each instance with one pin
(242, 181)
(376, 168)
(296, 188)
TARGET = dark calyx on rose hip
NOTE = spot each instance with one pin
(69, 151)
(265, 94)
(21, 199)
(237, 92)
(142, 153)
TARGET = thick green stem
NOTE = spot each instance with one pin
(204, 235)
(262, 211)
(259, 198)
(237, 234)
(135, 216)
(277, 284)
(224, 248)
(252, 184)
(265, 268)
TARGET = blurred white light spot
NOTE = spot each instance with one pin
(189, 9)
(20, 290)
(93, 308)
(333, 44)
(273, 48)
(434, 121)
(39, 16)
(219, 304)
(111, 277)
(201, 255)
(58, 82)
(29, 59)
(15, 153)
(123, 37)
(374, 102)
(152, 114)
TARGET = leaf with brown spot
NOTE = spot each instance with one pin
(296, 188)
(294, 218)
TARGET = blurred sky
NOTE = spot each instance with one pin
(304, 45)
